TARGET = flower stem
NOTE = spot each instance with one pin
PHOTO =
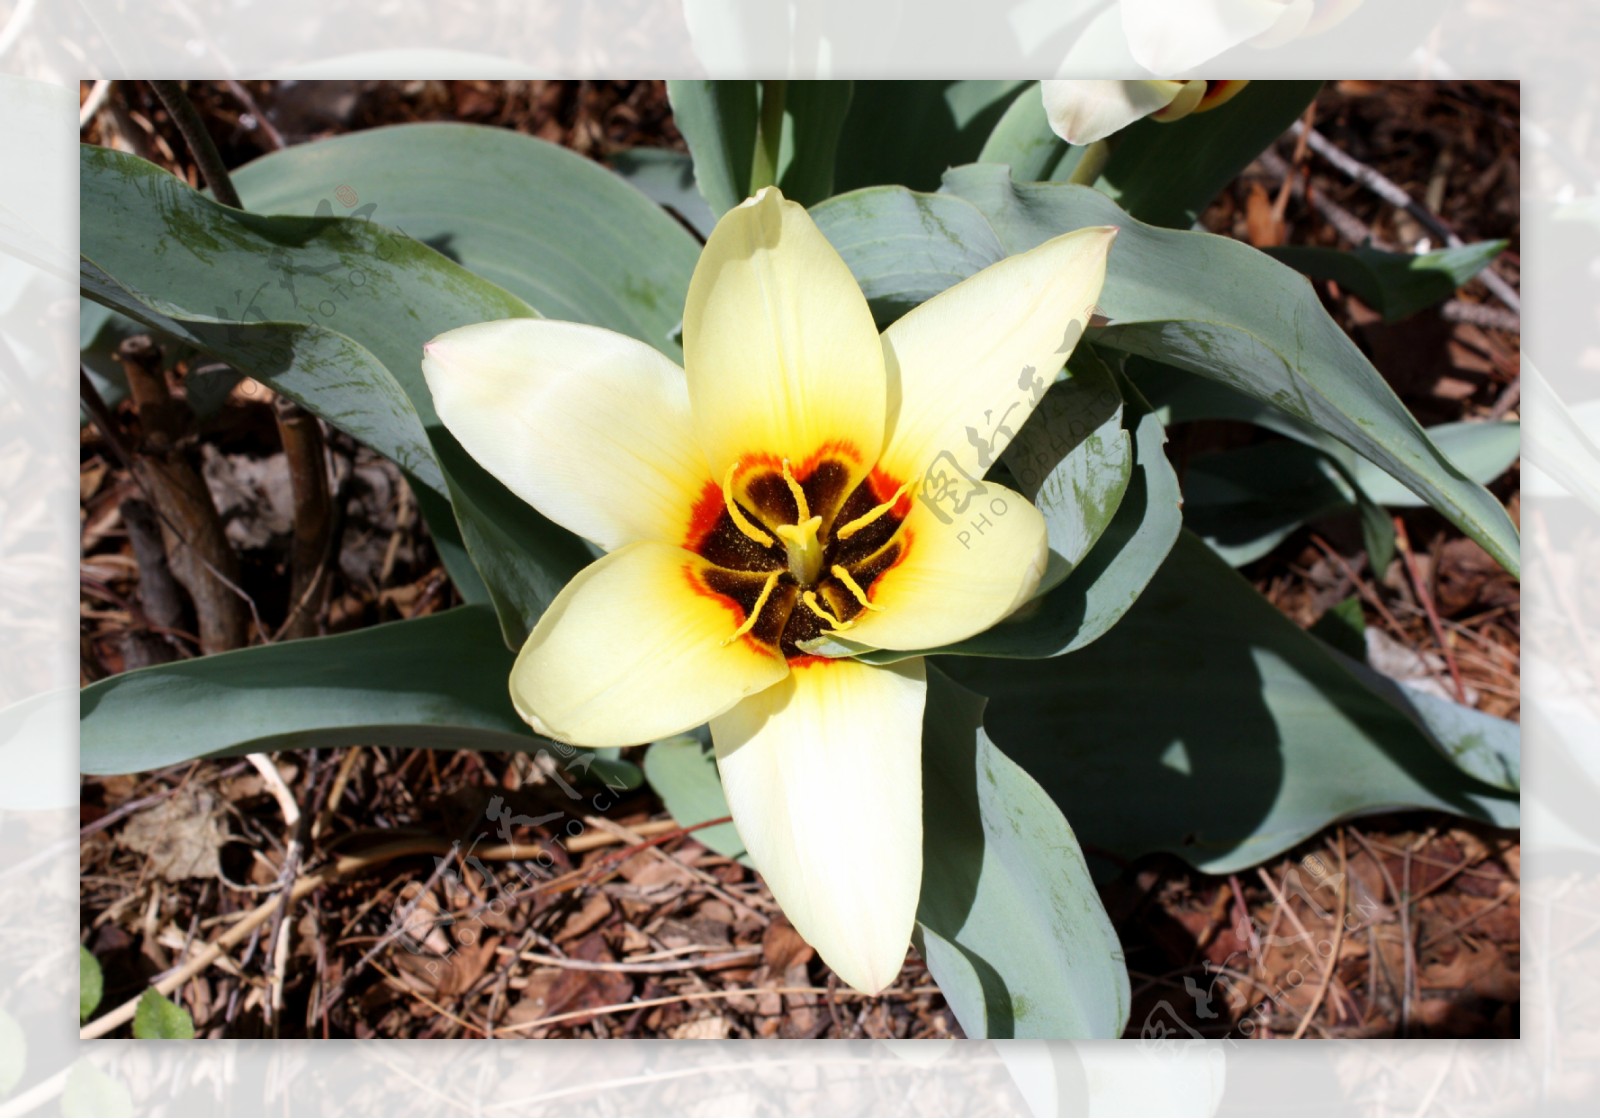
(769, 135)
(205, 153)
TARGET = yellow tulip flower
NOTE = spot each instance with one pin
(792, 482)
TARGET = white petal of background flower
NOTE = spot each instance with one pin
(1172, 38)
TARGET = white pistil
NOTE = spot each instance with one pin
(805, 550)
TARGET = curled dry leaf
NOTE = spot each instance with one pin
(181, 836)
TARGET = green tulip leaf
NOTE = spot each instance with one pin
(437, 682)
(903, 247)
(160, 1019)
(1024, 141)
(666, 177)
(1166, 173)
(1245, 502)
(332, 312)
(1396, 285)
(543, 223)
(1073, 459)
(908, 133)
(721, 121)
(683, 772)
(1009, 920)
(1262, 735)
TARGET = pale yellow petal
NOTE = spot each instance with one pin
(967, 367)
(965, 568)
(823, 775)
(779, 344)
(634, 649)
(588, 426)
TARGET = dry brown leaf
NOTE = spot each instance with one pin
(180, 836)
(782, 947)
(713, 1027)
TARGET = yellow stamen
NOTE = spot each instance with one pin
(755, 611)
(799, 495)
(821, 611)
(741, 521)
(871, 515)
(853, 587)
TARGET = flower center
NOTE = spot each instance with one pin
(795, 550)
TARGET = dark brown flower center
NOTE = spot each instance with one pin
(794, 550)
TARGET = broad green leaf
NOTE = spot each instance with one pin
(1489, 749)
(1072, 459)
(909, 132)
(91, 983)
(1166, 173)
(1482, 450)
(1261, 736)
(721, 121)
(437, 682)
(666, 177)
(161, 1019)
(523, 559)
(334, 376)
(1247, 501)
(1480, 745)
(814, 113)
(1010, 923)
(1108, 581)
(903, 247)
(683, 772)
(333, 312)
(1219, 308)
(1024, 141)
(90, 1093)
(1393, 284)
(546, 224)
